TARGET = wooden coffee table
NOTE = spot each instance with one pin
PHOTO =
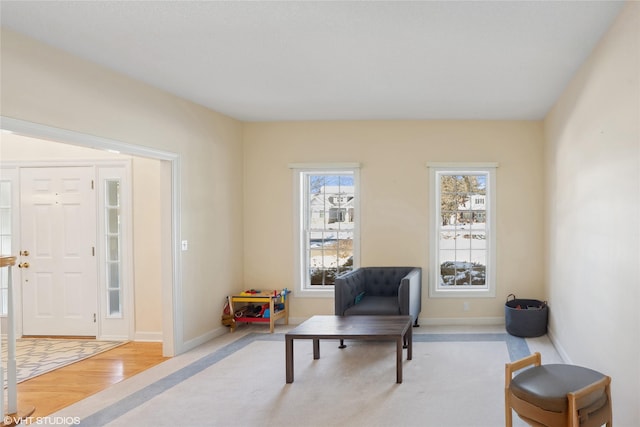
(396, 328)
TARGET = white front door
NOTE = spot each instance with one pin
(58, 228)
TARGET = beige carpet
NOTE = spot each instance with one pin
(454, 380)
(36, 356)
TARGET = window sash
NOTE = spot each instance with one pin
(327, 225)
(329, 234)
(112, 253)
(463, 229)
(6, 238)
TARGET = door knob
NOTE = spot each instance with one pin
(23, 265)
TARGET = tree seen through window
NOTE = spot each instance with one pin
(463, 232)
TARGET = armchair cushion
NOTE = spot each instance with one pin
(371, 305)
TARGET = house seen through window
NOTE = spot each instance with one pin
(463, 247)
(327, 226)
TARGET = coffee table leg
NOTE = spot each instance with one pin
(399, 343)
(410, 343)
(289, 359)
(316, 349)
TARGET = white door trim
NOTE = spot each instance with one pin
(172, 324)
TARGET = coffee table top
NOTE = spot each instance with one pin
(352, 327)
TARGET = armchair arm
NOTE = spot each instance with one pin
(346, 287)
(410, 294)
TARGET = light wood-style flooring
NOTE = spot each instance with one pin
(55, 390)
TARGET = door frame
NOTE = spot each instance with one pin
(172, 320)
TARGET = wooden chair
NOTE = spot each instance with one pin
(556, 395)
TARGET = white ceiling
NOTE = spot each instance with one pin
(334, 60)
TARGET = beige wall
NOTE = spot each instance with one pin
(593, 198)
(146, 246)
(394, 200)
(44, 85)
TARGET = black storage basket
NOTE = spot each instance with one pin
(526, 317)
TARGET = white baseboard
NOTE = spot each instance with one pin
(148, 336)
(292, 321)
(561, 351)
(461, 321)
(195, 342)
(443, 321)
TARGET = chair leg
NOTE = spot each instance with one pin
(509, 368)
(610, 409)
(576, 401)
(342, 344)
(508, 414)
(415, 324)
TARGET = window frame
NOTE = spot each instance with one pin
(300, 171)
(112, 241)
(436, 170)
(9, 174)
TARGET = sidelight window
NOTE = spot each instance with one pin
(113, 241)
(5, 240)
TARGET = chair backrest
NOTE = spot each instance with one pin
(384, 281)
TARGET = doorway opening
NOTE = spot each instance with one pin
(169, 214)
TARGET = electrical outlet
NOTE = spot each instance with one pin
(185, 245)
(465, 306)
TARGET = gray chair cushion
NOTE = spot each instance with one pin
(372, 305)
(547, 386)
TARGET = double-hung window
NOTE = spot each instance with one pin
(463, 230)
(326, 225)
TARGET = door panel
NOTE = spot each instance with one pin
(59, 288)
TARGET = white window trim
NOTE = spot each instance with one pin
(10, 173)
(298, 168)
(434, 194)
